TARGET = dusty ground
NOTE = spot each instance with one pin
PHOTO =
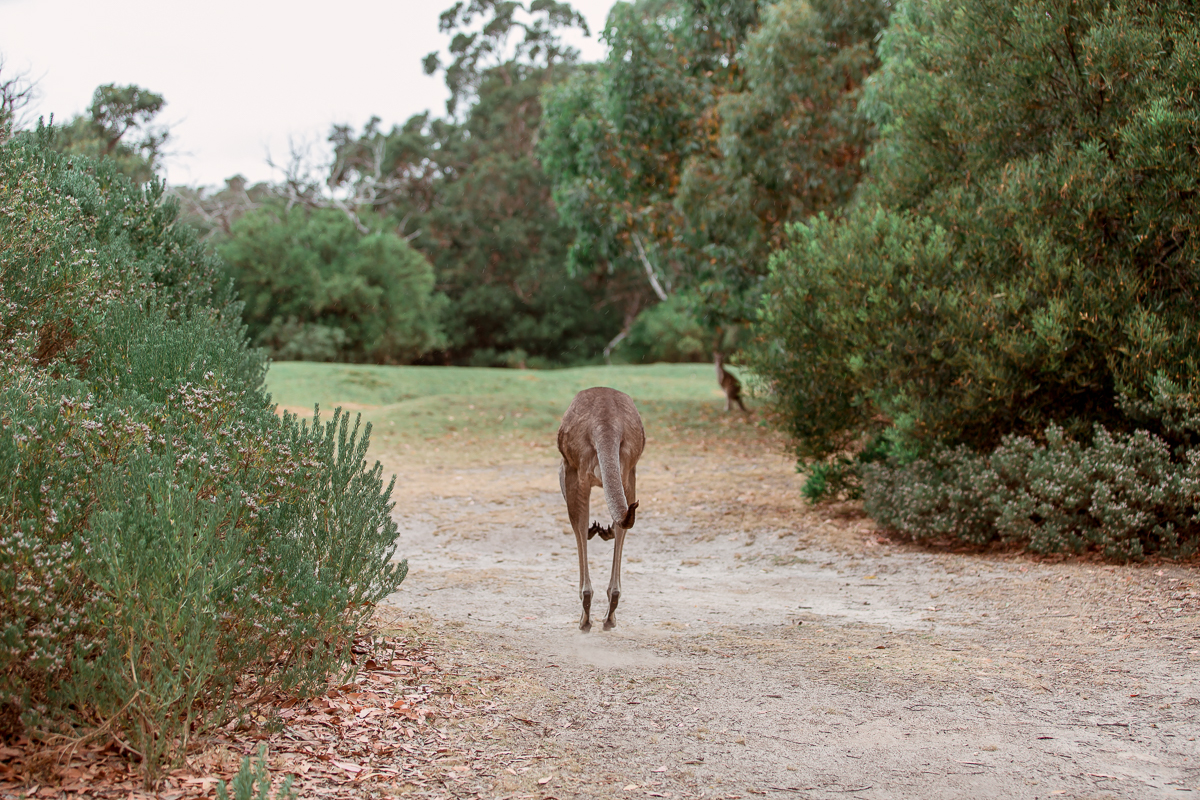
(765, 647)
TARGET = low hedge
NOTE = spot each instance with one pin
(1122, 494)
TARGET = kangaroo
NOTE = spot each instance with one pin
(601, 438)
(729, 384)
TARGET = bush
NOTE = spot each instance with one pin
(555, 321)
(164, 537)
(254, 775)
(949, 493)
(1018, 273)
(1025, 249)
(315, 288)
(1120, 494)
(668, 331)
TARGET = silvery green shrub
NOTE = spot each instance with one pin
(167, 543)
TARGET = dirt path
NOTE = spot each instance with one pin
(768, 648)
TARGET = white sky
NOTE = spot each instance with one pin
(240, 76)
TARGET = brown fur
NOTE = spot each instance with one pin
(729, 384)
(601, 439)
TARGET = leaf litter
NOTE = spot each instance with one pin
(391, 727)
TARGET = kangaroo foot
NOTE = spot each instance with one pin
(630, 516)
(605, 533)
(585, 620)
(610, 621)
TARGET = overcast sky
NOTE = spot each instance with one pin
(240, 76)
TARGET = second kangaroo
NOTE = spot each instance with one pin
(601, 438)
(730, 385)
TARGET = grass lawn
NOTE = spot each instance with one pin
(434, 413)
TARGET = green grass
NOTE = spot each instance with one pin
(408, 405)
(293, 382)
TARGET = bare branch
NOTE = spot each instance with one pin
(301, 186)
(216, 210)
(658, 289)
(631, 315)
(17, 91)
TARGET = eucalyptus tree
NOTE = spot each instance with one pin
(468, 190)
(707, 129)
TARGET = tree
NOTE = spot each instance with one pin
(118, 126)
(316, 288)
(213, 213)
(17, 91)
(706, 130)
(478, 54)
(617, 137)
(470, 193)
(790, 143)
(1025, 254)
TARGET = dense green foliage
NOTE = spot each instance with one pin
(1024, 253)
(707, 129)
(469, 193)
(667, 332)
(1122, 494)
(253, 774)
(317, 289)
(164, 537)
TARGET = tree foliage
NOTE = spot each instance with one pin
(118, 126)
(1026, 248)
(1004, 322)
(709, 127)
(317, 289)
(469, 192)
(479, 52)
(790, 143)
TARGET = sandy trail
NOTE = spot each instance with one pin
(765, 647)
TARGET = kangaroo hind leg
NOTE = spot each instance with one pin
(576, 493)
(614, 580)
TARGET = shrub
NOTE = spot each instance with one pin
(1017, 273)
(164, 537)
(1120, 494)
(1025, 248)
(254, 775)
(949, 493)
(668, 331)
(317, 288)
(552, 321)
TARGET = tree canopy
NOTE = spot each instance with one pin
(706, 130)
(317, 289)
(469, 192)
(1025, 251)
(118, 126)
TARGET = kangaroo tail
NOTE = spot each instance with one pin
(608, 452)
